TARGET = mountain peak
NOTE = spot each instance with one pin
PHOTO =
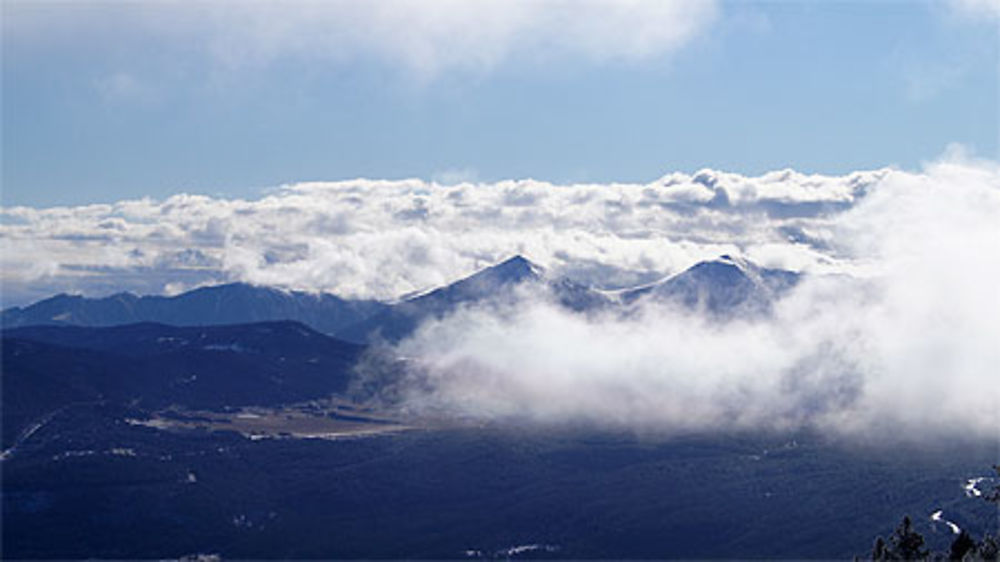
(723, 285)
(485, 282)
(724, 270)
(728, 262)
(515, 259)
(517, 267)
(512, 270)
(729, 259)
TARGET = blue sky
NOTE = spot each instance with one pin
(107, 101)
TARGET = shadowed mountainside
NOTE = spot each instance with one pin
(234, 303)
(152, 366)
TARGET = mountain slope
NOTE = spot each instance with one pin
(234, 303)
(722, 287)
(153, 366)
(493, 284)
(725, 286)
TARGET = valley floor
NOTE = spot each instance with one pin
(101, 482)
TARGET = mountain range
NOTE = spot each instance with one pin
(233, 303)
(235, 345)
(720, 288)
(126, 439)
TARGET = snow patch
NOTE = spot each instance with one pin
(937, 518)
(200, 557)
(169, 339)
(511, 551)
(970, 487)
(521, 549)
(153, 422)
(70, 454)
(234, 347)
(116, 451)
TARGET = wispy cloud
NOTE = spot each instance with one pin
(424, 38)
(125, 87)
(976, 9)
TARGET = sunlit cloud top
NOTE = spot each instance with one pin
(382, 238)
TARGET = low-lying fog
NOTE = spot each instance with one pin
(907, 347)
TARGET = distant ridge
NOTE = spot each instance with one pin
(723, 287)
(234, 303)
(402, 318)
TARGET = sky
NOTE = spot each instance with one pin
(107, 101)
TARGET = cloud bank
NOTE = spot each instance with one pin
(907, 352)
(370, 238)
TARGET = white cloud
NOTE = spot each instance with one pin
(425, 37)
(977, 9)
(438, 35)
(385, 238)
(907, 352)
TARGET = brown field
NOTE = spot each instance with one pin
(326, 419)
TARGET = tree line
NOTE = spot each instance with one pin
(907, 544)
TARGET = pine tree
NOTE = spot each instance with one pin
(994, 496)
(962, 545)
(878, 551)
(907, 544)
(988, 549)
